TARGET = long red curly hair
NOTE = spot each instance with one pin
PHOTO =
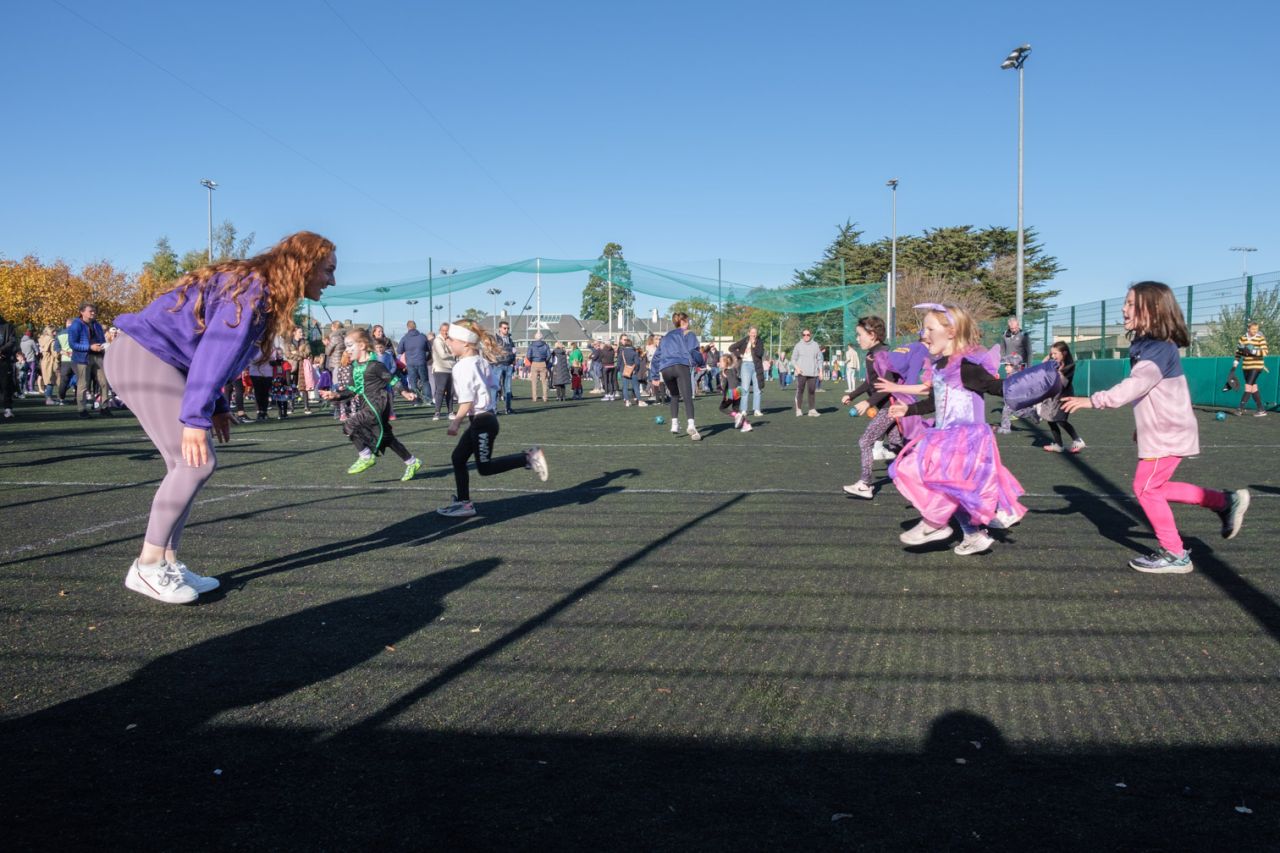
(284, 269)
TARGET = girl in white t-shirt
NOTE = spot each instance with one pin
(474, 389)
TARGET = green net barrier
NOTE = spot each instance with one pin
(836, 308)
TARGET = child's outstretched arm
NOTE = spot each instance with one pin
(1145, 376)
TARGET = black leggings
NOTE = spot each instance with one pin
(803, 382)
(261, 394)
(680, 386)
(610, 379)
(1057, 435)
(478, 440)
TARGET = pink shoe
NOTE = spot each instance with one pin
(746, 426)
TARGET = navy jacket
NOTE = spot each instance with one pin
(539, 351)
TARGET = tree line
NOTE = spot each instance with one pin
(35, 293)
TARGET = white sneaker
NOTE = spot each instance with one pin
(458, 509)
(1053, 448)
(1078, 445)
(675, 429)
(746, 426)
(974, 543)
(162, 582)
(737, 420)
(626, 403)
(693, 432)
(199, 583)
(859, 490)
(1003, 520)
(813, 413)
(880, 453)
(923, 533)
(799, 414)
(538, 462)
(642, 404)
(758, 413)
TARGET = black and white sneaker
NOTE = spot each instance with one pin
(1163, 562)
(1233, 515)
(458, 509)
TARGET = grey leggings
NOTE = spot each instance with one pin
(153, 391)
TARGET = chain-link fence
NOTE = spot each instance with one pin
(1216, 314)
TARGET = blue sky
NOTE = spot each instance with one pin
(685, 131)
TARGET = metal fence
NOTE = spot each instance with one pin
(1096, 329)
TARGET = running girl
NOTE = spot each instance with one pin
(474, 389)
(954, 468)
(1166, 426)
(1051, 409)
(369, 426)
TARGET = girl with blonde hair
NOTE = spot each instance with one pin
(953, 469)
(476, 391)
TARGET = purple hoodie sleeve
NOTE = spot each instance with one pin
(221, 353)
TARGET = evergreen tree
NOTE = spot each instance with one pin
(595, 296)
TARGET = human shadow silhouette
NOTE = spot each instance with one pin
(169, 699)
(430, 527)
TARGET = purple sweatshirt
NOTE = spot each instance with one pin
(209, 359)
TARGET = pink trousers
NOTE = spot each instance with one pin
(1154, 492)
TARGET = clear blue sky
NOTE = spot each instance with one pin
(685, 131)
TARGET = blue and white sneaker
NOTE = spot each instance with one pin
(1163, 563)
(1233, 516)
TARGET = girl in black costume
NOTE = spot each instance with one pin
(369, 426)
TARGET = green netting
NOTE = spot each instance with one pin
(850, 300)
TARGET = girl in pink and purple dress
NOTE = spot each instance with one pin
(953, 469)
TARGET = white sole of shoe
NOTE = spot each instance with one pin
(136, 582)
(911, 537)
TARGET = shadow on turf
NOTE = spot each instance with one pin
(1108, 518)
(431, 527)
(413, 789)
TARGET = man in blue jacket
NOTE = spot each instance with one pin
(416, 349)
(88, 346)
(538, 355)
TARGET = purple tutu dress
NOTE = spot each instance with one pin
(955, 467)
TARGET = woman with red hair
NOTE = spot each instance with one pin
(169, 365)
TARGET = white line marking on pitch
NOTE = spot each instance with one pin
(106, 525)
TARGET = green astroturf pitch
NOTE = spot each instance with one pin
(669, 645)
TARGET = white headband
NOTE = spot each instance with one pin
(462, 333)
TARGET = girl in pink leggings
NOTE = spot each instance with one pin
(169, 365)
(1167, 431)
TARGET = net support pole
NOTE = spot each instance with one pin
(431, 293)
(1102, 338)
(609, 261)
(719, 297)
(537, 287)
(1190, 304)
(1073, 330)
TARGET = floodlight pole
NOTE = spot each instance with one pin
(537, 286)
(892, 300)
(609, 260)
(1244, 256)
(493, 291)
(431, 293)
(1016, 59)
(210, 186)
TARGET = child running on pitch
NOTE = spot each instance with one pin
(1166, 426)
(953, 469)
(369, 426)
(870, 333)
(731, 399)
(1051, 410)
(474, 389)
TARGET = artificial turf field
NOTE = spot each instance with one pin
(668, 646)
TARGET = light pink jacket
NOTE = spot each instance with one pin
(1161, 408)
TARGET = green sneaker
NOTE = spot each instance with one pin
(410, 470)
(364, 463)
